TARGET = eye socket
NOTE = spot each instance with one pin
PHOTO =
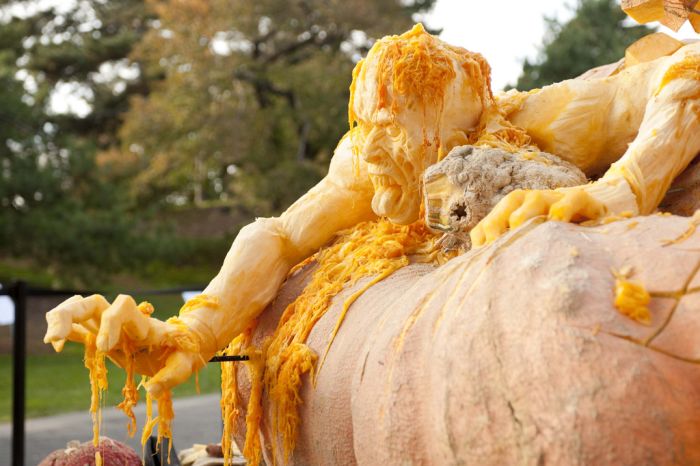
(393, 131)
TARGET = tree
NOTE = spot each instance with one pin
(595, 36)
(166, 102)
(57, 208)
(254, 95)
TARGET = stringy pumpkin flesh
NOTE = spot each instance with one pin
(371, 249)
(413, 64)
(95, 363)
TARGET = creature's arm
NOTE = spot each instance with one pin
(255, 267)
(265, 250)
(667, 140)
(669, 136)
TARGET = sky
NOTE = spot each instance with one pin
(505, 32)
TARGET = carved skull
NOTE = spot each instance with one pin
(463, 187)
(413, 99)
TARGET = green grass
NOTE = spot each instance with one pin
(35, 275)
(59, 382)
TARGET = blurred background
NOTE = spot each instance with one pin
(137, 136)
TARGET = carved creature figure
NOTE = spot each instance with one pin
(413, 99)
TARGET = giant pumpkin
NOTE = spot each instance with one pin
(510, 354)
(539, 344)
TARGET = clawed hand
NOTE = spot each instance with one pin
(166, 351)
(564, 204)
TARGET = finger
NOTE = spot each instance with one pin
(178, 368)
(59, 320)
(92, 325)
(536, 203)
(568, 206)
(75, 309)
(123, 313)
(576, 204)
(477, 236)
(493, 224)
(58, 345)
(78, 334)
(496, 222)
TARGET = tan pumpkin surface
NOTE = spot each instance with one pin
(512, 354)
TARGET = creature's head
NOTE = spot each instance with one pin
(413, 99)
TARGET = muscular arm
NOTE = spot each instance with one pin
(669, 135)
(649, 114)
(264, 251)
(586, 122)
(253, 271)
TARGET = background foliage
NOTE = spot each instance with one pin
(597, 34)
(118, 115)
(125, 122)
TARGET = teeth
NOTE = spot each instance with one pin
(383, 181)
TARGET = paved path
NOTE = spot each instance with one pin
(197, 420)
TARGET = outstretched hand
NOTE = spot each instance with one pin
(519, 206)
(168, 352)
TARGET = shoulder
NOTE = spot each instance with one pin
(347, 169)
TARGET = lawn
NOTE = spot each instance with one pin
(59, 382)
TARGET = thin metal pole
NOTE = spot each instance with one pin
(19, 358)
(229, 358)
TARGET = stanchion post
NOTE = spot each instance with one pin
(19, 361)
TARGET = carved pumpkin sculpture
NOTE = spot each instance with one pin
(526, 349)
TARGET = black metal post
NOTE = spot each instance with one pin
(19, 361)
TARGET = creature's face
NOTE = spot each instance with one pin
(405, 126)
(395, 157)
